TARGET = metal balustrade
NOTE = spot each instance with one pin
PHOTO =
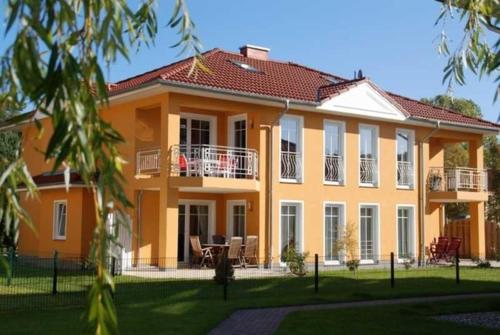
(457, 179)
(334, 168)
(148, 162)
(405, 173)
(291, 164)
(368, 171)
(214, 161)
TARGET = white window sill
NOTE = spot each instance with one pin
(403, 187)
(62, 238)
(331, 263)
(368, 185)
(333, 183)
(290, 181)
(367, 261)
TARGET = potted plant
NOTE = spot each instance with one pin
(435, 182)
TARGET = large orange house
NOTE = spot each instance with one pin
(268, 148)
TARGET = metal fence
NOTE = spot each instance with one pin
(34, 282)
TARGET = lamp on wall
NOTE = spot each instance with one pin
(251, 123)
(250, 206)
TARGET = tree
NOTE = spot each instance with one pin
(55, 64)
(479, 49)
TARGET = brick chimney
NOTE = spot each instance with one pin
(254, 51)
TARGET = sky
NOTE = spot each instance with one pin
(394, 42)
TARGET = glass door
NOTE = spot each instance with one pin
(193, 220)
(237, 138)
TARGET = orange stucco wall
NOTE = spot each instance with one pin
(80, 222)
(154, 122)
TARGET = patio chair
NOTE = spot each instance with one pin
(452, 250)
(250, 253)
(234, 252)
(202, 255)
(438, 250)
(188, 167)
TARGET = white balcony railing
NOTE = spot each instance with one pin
(368, 171)
(405, 174)
(214, 161)
(457, 179)
(291, 165)
(148, 162)
(334, 168)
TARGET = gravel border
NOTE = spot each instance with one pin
(483, 319)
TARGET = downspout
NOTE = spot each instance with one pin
(422, 193)
(270, 150)
(139, 223)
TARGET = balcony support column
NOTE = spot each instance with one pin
(168, 216)
(477, 230)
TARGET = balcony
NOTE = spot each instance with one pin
(148, 163)
(368, 171)
(334, 169)
(291, 163)
(211, 168)
(405, 174)
(458, 184)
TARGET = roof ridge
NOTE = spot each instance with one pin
(208, 52)
(316, 70)
(448, 110)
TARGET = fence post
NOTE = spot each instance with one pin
(224, 259)
(113, 265)
(10, 259)
(392, 270)
(457, 267)
(54, 276)
(316, 274)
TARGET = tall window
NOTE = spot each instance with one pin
(334, 152)
(406, 235)
(368, 231)
(368, 151)
(334, 217)
(404, 140)
(291, 227)
(236, 218)
(291, 147)
(60, 220)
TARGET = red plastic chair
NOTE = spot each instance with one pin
(453, 247)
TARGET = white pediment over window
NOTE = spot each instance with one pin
(363, 100)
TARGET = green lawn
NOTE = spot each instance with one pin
(194, 307)
(386, 320)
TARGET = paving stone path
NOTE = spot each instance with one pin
(265, 321)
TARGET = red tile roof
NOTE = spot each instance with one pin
(281, 80)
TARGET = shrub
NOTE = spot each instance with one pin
(296, 261)
(220, 271)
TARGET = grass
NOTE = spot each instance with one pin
(386, 320)
(150, 306)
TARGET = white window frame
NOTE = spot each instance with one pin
(414, 231)
(229, 215)
(300, 215)
(230, 129)
(377, 143)
(342, 145)
(211, 221)
(300, 140)
(411, 140)
(376, 249)
(55, 220)
(203, 117)
(342, 222)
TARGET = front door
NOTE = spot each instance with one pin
(195, 218)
